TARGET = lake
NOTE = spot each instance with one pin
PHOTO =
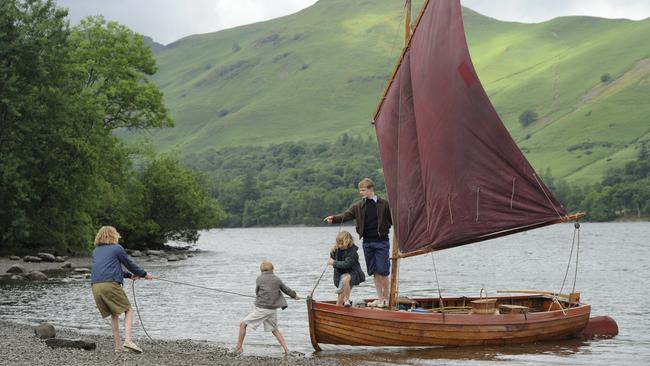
(612, 276)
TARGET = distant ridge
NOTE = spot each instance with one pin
(316, 74)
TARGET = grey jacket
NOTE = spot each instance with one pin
(268, 291)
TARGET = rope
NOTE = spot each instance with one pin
(311, 294)
(137, 310)
(435, 271)
(575, 276)
(205, 288)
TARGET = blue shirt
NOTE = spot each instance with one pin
(107, 264)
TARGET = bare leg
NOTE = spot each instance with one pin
(382, 286)
(346, 288)
(128, 323)
(345, 294)
(378, 286)
(340, 299)
(115, 325)
(280, 338)
(240, 340)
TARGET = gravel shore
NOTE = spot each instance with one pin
(20, 346)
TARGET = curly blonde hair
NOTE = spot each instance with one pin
(344, 240)
(107, 235)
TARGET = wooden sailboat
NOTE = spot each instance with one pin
(454, 176)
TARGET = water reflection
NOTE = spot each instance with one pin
(425, 356)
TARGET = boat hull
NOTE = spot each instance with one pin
(338, 325)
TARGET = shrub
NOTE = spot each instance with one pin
(527, 117)
(606, 78)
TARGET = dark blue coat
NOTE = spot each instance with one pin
(347, 261)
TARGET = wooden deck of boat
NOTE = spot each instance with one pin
(332, 324)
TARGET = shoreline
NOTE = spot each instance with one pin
(21, 347)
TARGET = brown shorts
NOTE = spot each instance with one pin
(110, 298)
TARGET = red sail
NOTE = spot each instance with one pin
(453, 172)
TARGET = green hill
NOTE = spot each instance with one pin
(316, 74)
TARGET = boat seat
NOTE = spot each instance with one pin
(513, 309)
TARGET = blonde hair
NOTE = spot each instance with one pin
(107, 235)
(344, 240)
(367, 183)
(266, 266)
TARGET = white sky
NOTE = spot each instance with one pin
(169, 20)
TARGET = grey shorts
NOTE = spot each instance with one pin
(268, 317)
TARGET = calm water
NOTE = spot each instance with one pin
(614, 269)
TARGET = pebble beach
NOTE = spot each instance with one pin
(20, 346)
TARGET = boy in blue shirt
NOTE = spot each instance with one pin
(107, 278)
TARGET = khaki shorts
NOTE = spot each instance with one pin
(268, 317)
(110, 298)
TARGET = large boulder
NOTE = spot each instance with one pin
(160, 253)
(46, 257)
(60, 259)
(71, 343)
(45, 331)
(17, 269)
(14, 258)
(31, 258)
(172, 258)
(66, 265)
(37, 276)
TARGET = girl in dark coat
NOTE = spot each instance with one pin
(347, 271)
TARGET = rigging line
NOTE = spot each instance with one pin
(566, 273)
(547, 197)
(575, 276)
(478, 192)
(512, 196)
(435, 271)
(311, 294)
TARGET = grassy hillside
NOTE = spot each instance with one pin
(316, 74)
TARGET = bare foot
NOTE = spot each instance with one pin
(238, 351)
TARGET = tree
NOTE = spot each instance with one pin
(114, 63)
(176, 205)
(527, 117)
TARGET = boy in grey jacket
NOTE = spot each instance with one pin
(268, 298)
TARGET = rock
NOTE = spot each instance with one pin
(190, 255)
(31, 258)
(71, 343)
(60, 259)
(14, 258)
(66, 265)
(136, 254)
(81, 270)
(46, 257)
(172, 258)
(45, 331)
(37, 276)
(17, 269)
(182, 257)
(16, 278)
(160, 253)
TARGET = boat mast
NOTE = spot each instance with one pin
(392, 299)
